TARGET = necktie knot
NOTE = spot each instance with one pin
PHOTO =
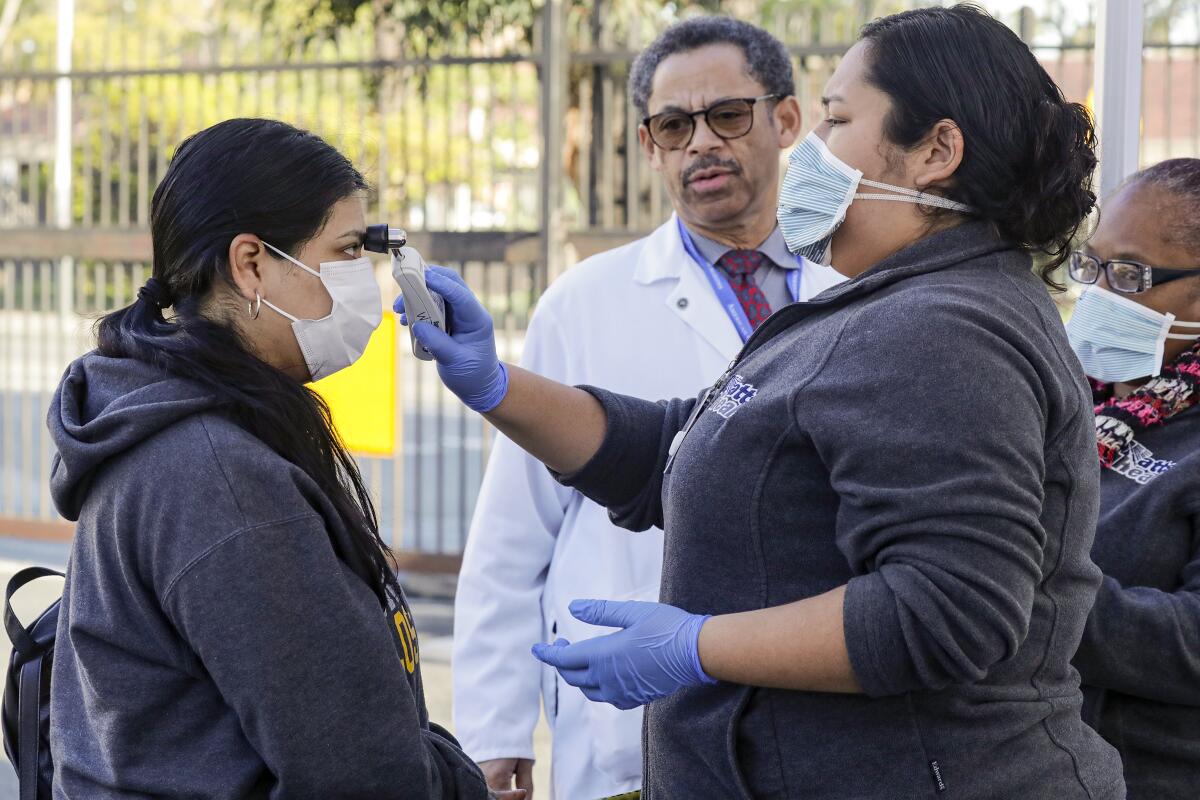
(740, 262)
(739, 266)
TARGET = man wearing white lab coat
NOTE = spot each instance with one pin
(645, 319)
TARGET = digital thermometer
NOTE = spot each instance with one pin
(408, 270)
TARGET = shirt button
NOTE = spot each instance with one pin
(682, 302)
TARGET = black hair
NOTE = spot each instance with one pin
(1180, 177)
(267, 178)
(1029, 155)
(766, 57)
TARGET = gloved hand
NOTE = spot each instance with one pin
(656, 655)
(466, 358)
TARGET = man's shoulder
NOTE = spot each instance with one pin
(602, 268)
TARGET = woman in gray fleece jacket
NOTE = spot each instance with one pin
(231, 626)
(878, 521)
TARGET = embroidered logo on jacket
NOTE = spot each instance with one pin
(1139, 464)
(735, 395)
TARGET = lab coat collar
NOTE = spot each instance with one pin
(663, 258)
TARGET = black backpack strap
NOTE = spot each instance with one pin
(29, 727)
(22, 641)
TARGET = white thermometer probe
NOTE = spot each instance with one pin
(408, 269)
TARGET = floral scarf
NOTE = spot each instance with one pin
(1118, 421)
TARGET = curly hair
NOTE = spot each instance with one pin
(1029, 154)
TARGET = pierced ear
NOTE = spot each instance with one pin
(940, 155)
(246, 255)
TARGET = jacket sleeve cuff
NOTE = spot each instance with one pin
(874, 641)
(621, 469)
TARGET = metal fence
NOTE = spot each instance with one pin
(508, 157)
(451, 142)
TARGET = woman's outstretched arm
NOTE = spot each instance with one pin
(559, 425)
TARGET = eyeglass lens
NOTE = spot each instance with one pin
(1122, 276)
(729, 119)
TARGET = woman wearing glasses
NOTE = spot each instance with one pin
(1135, 330)
(877, 522)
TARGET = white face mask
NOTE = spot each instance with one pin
(1119, 340)
(819, 187)
(332, 343)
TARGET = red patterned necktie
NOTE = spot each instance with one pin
(739, 266)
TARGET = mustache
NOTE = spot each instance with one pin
(710, 162)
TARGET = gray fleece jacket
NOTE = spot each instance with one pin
(1140, 655)
(922, 435)
(211, 644)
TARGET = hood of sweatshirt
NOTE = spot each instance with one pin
(105, 406)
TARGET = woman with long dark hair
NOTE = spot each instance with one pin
(878, 520)
(231, 624)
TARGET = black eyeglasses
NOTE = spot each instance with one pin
(1122, 275)
(729, 119)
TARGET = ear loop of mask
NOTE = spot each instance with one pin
(1183, 337)
(302, 266)
(295, 261)
(910, 196)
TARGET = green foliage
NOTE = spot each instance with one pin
(421, 25)
(444, 144)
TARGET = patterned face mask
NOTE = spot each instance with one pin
(819, 187)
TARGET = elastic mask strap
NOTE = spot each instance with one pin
(279, 310)
(1183, 337)
(282, 254)
(911, 196)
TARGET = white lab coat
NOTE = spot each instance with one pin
(640, 320)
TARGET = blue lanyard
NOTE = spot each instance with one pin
(725, 294)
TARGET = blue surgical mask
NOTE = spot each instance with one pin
(819, 187)
(1119, 340)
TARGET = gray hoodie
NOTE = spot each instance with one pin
(922, 435)
(211, 644)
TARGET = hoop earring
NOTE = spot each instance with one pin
(255, 308)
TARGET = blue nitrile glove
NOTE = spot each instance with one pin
(466, 358)
(656, 655)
